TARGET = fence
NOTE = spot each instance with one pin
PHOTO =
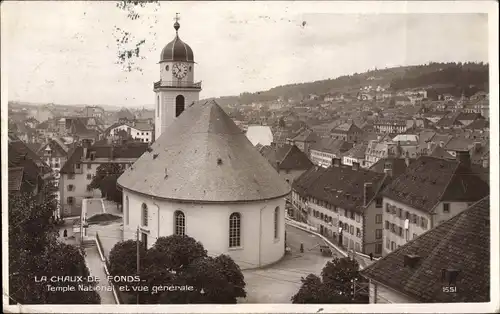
(106, 266)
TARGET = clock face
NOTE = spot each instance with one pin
(179, 70)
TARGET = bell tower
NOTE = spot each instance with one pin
(176, 88)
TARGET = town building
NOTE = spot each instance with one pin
(55, 154)
(139, 131)
(93, 111)
(304, 140)
(356, 155)
(348, 132)
(431, 191)
(204, 172)
(439, 265)
(324, 150)
(395, 126)
(288, 160)
(343, 203)
(81, 167)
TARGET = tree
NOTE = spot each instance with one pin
(175, 252)
(336, 285)
(124, 135)
(32, 257)
(123, 259)
(102, 172)
(181, 261)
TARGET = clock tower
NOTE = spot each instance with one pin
(176, 88)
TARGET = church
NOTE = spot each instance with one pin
(202, 177)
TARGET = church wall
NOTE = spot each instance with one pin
(209, 224)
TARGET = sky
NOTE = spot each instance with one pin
(66, 52)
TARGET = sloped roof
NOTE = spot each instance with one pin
(344, 187)
(429, 180)
(306, 136)
(294, 159)
(204, 157)
(478, 124)
(398, 165)
(466, 116)
(346, 127)
(358, 151)
(15, 178)
(461, 243)
(440, 152)
(459, 144)
(305, 180)
(331, 145)
(56, 148)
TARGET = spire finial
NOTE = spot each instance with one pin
(176, 24)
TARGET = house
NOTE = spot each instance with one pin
(458, 144)
(376, 150)
(356, 155)
(93, 111)
(281, 136)
(124, 115)
(432, 190)
(139, 131)
(304, 140)
(348, 132)
(27, 173)
(288, 160)
(450, 263)
(390, 126)
(344, 204)
(402, 101)
(55, 154)
(325, 129)
(468, 118)
(81, 166)
(324, 150)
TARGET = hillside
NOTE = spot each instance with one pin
(440, 78)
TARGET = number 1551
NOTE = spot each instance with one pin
(449, 289)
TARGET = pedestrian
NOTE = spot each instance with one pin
(371, 256)
(65, 233)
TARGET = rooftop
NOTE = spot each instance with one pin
(218, 164)
(461, 243)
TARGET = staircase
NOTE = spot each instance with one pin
(88, 243)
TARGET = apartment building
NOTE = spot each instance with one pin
(344, 204)
(431, 190)
(78, 171)
(390, 126)
(55, 154)
(139, 131)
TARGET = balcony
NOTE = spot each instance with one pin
(176, 84)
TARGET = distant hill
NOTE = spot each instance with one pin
(438, 78)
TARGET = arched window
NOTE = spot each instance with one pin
(235, 230)
(179, 105)
(180, 223)
(144, 215)
(125, 209)
(167, 68)
(190, 68)
(276, 222)
(158, 106)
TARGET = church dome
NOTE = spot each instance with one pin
(177, 50)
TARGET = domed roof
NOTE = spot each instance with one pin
(204, 157)
(177, 50)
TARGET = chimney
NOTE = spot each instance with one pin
(336, 162)
(449, 276)
(355, 166)
(411, 260)
(278, 165)
(367, 191)
(463, 157)
(477, 146)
